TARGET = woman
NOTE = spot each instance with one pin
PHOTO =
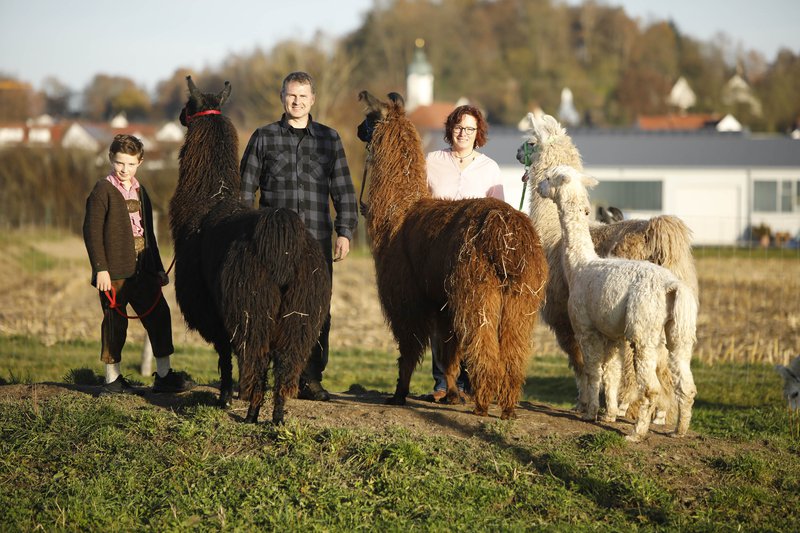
(456, 173)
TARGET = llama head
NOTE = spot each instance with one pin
(376, 111)
(567, 186)
(200, 104)
(791, 382)
(544, 131)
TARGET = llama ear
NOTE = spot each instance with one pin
(194, 92)
(589, 182)
(397, 99)
(785, 373)
(225, 93)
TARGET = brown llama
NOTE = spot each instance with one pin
(249, 281)
(473, 269)
(663, 240)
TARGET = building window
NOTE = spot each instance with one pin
(765, 196)
(776, 196)
(629, 195)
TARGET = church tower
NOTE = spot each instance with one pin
(419, 82)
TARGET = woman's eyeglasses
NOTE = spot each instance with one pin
(468, 131)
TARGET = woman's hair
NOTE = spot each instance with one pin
(455, 117)
(126, 144)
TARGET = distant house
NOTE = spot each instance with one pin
(721, 185)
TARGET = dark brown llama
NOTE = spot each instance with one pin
(249, 281)
(473, 269)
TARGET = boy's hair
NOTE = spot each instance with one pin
(303, 78)
(126, 144)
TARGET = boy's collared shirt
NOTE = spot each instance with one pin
(130, 194)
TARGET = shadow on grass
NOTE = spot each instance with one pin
(554, 389)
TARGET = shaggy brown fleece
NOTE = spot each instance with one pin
(472, 269)
(249, 281)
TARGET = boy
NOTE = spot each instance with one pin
(119, 238)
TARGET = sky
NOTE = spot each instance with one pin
(147, 40)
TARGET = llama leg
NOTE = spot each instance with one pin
(685, 388)
(225, 363)
(569, 344)
(612, 375)
(260, 366)
(411, 341)
(645, 360)
(516, 323)
(628, 389)
(666, 398)
(448, 356)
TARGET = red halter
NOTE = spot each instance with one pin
(201, 113)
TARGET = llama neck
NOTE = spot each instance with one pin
(559, 150)
(397, 178)
(578, 246)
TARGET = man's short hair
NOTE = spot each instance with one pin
(297, 77)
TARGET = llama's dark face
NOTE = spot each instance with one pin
(375, 112)
(202, 103)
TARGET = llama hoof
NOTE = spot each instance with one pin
(608, 418)
(224, 403)
(634, 437)
(395, 400)
(508, 415)
(251, 419)
(677, 435)
(480, 412)
(454, 399)
(660, 419)
(588, 417)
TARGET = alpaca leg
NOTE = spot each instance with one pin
(685, 389)
(225, 363)
(612, 375)
(592, 344)
(645, 360)
(628, 388)
(666, 398)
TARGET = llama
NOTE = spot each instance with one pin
(249, 281)
(612, 300)
(663, 240)
(473, 269)
(791, 383)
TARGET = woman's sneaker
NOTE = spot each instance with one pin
(172, 382)
(119, 386)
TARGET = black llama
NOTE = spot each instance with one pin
(249, 281)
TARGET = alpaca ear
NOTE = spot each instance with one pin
(225, 93)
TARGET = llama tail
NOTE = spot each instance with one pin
(278, 239)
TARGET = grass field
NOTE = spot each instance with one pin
(71, 461)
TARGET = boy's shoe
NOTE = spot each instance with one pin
(119, 386)
(172, 382)
(313, 390)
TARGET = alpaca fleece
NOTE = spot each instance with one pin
(662, 240)
(253, 282)
(473, 269)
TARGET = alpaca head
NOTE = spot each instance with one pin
(376, 111)
(791, 382)
(200, 104)
(567, 186)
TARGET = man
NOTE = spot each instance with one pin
(300, 164)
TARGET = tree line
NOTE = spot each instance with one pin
(506, 56)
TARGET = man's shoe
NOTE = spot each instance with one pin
(118, 386)
(313, 390)
(172, 382)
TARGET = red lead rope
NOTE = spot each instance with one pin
(112, 299)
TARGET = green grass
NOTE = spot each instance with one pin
(72, 462)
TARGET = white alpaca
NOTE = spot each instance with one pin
(791, 383)
(663, 240)
(614, 300)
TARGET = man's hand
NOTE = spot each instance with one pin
(341, 249)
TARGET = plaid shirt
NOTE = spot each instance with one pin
(300, 170)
